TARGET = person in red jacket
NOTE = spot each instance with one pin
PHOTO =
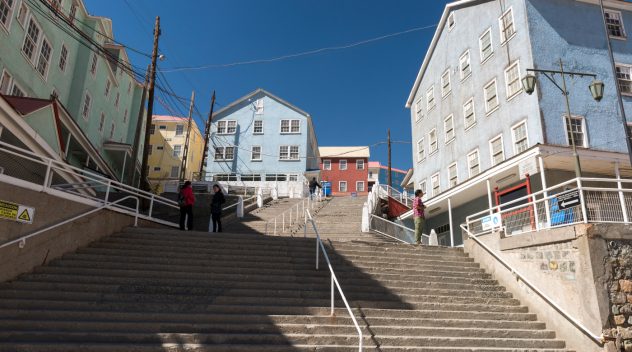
(186, 201)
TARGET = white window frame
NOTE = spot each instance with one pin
(513, 136)
(342, 162)
(584, 141)
(177, 171)
(43, 41)
(515, 64)
(490, 109)
(94, 65)
(430, 99)
(254, 127)
(422, 187)
(326, 164)
(112, 130)
(473, 121)
(259, 107)
(359, 189)
(421, 150)
(484, 58)
(359, 164)
(463, 59)
(23, 14)
(179, 130)
(101, 123)
(84, 113)
(446, 77)
(17, 90)
(501, 26)
(223, 153)
(470, 165)
(453, 179)
(9, 82)
(492, 155)
(224, 126)
(126, 116)
(177, 150)
(63, 59)
(451, 22)
(32, 59)
(253, 153)
(433, 141)
(449, 130)
(624, 78)
(108, 87)
(290, 126)
(340, 183)
(285, 153)
(619, 17)
(419, 109)
(435, 188)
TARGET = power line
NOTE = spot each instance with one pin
(300, 54)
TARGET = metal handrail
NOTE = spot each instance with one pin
(22, 240)
(599, 339)
(305, 203)
(334, 279)
(396, 224)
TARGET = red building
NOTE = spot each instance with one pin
(347, 168)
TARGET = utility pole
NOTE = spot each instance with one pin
(207, 135)
(185, 152)
(390, 175)
(139, 126)
(150, 108)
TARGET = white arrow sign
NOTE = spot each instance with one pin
(569, 202)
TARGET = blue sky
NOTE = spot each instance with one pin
(354, 95)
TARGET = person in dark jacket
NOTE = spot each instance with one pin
(312, 187)
(216, 208)
(186, 199)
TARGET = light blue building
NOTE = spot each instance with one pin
(262, 140)
(474, 129)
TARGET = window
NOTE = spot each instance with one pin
(179, 130)
(445, 83)
(157, 168)
(575, 130)
(342, 164)
(162, 127)
(73, 12)
(290, 126)
(101, 122)
(473, 163)
(175, 171)
(430, 98)
(54, 94)
(129, 87)
(6, 11)
(251, 177)
(288, 152)
(422, 187)
(125, 118)
(256, 153)
(85, 111)
(629, 127)
(421, 151)
(63, 58)
(17, 91)
(507, 28)
(224, 153)
(342, 186)
(520, 139)
(448, 126)
(152, 129)
(624, 78)
(451, 22)
(491, 96)
(30, 40)
(614, 23)
(326, 164)
(116, 100)
(5, 82)
(435, 183)
(360, 164)
(112, 129)
(468, 114)
(485, 44)
(22, 13)
(359, 186)
(292, 177)
(259, 107)
(432, 141)
(150, 149)
(227, 127)
(258, 128)
(160, 147)
(453, 179)
(93, 64)
(177, 149)
(44, 58)
(464, 65)
(419, 110)
(497, 150)
(512, 79)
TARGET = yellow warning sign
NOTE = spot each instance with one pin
(16, 212)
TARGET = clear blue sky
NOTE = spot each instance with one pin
(354, 95)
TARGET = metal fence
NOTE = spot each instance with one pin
(394, 230)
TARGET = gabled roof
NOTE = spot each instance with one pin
(26, 105)
(341, 152)
(265, 92)
(435, 39)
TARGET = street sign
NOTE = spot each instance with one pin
(16, 212)
(568, 199)
(491, 221)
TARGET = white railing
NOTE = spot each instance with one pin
(579, 200)
(289, 217)
(386, 190)
(67, 181)
(22, 240)
(394, 230)
(334, 279)
(599, 339)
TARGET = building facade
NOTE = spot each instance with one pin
(473, 123)
(167, 142)
(261, 140)
(92, 84)
(378, 173)
(346, 168)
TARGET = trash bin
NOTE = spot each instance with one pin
(327, 189)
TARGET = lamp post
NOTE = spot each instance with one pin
(596, 90)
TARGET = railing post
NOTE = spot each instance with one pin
(48, 172)
(151, 206)
(545, 193)
(582, 199)
(291, 210)
(332, 294)
(624, 209)
(317, 250)
(107, 193)
(283, 228)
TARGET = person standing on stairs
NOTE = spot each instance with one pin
(312, 187)
(216, 208)
(419, 215)
(186, 199)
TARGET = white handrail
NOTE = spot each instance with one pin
(599, 339)
(291, 215)
(397, 225)
(334, 279)
(22, 240)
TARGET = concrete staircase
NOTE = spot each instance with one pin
(165, 290)
(255, 221)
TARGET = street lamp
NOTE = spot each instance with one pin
(596, 88)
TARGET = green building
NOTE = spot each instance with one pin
(62, 96)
